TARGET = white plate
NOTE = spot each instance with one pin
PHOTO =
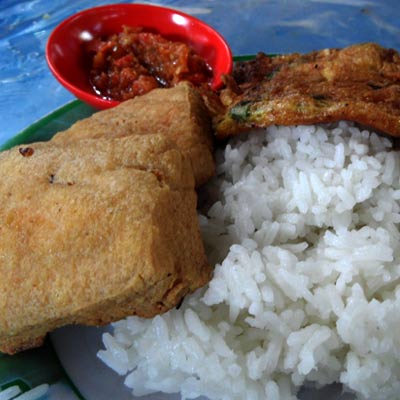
(76, 347)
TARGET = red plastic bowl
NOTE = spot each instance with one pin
(66, 57)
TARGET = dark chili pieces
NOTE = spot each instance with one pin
(135, 61)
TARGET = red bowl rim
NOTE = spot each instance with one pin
(98, 101)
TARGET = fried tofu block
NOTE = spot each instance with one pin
(92, 232)
(178, 113)
(359, 83)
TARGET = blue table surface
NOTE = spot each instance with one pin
(29, 91)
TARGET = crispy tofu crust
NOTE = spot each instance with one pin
(359, 83)
(93, 231)
(178, 113)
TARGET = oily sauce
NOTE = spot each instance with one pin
(135, 61)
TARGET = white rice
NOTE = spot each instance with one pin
(304, 232)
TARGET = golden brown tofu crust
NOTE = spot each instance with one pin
(359, 83)
(178, 113)
(94, 231)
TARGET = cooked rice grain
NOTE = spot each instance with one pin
(304, 232)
